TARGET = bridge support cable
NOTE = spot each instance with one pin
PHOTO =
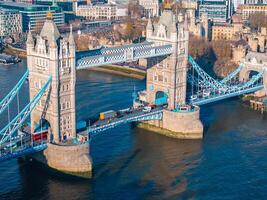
(233, 74)
(8, 99)
(211, 81)
(252, 85)
(13, 126)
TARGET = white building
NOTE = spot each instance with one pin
(99, 12)
(150, 7)
(10, 22)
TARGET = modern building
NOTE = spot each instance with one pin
(247, 10)
(150, 8)
(66, 5)
(97, 12)
(34, 16)
(217, 10)
(10, 22)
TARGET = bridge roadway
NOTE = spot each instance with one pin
(20, 145)
(217, 97)
(127, 116)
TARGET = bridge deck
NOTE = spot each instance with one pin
(129, 115)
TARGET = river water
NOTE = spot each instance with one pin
(131, 163)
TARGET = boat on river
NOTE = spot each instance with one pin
(8, 59)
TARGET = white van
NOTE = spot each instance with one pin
(147, 109)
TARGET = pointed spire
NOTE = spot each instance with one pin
(186, 23)
(53, 44)
(29, 36)
(71, 38)
(173, 27)
(149, 24)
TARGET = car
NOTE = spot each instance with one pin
(184, 108)
(193, 97)
(153, 106)
(206, 93)
(146, 109)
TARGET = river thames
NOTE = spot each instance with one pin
(131, 163)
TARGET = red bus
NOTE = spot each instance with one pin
(39, 136)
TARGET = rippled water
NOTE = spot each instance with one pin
(131, 163)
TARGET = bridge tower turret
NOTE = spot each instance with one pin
(166, 76)
(51, 54)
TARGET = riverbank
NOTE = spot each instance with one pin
(256, 103)
(21, 53)
(121, 70)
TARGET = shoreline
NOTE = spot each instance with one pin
(111, 69)
(21, 53)
(120, 70)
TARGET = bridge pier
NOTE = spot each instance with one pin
(70, 160)
(180, 125)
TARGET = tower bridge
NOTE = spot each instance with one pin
(51, 137)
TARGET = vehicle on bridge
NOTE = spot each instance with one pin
(206, 93)
(147, 109)
(40, 136)
(111, 114)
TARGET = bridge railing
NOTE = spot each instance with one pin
(11, 95)
(16, 123)
(125, 55)
(153, 115)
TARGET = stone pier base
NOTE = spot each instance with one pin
(71, 160)
(181, 125)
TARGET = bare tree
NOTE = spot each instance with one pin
(257, 20)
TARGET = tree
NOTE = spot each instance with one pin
(222, 49)
(134, 9)
(257, 20)
(198, 46)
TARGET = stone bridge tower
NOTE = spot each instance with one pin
(166, 76)
(51, 54)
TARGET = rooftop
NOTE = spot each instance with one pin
(27, 7)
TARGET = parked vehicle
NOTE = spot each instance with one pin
(193, 97)
(184, 108)
(41, 135)
(153, 106)
(81, 126)
(146, 109)
(108, 115)
(206, 93)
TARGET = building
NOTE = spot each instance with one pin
(33, 16)
(97, 12)
(25, 1)
(248, 10)
(199, 27)
(255, 1)
(239, 50)
(225, 31)
(217, 10)
(237, 3)
(10, 22)
(150, 8)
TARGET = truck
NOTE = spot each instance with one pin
(107, 115)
